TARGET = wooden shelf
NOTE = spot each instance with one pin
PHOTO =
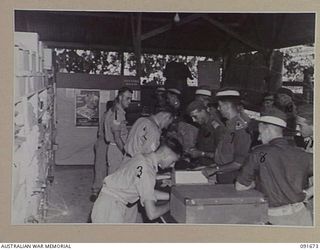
(31, 145)
(29, 74)
(28, 95)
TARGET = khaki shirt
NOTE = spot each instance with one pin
(134, 180)
(144, 137)
(209, 136)
(115, 121)
(280, 170)
(235, 144)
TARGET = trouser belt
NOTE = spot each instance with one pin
(128, 155)
(286, 209)
(109, 192)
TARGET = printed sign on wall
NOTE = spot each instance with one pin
(87, 108)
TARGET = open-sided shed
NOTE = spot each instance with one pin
(185, 33)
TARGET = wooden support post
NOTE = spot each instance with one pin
(125, 28)
(138, 45)
(136, 37)
(133, 30)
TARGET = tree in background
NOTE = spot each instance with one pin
(88, 61)
(109, 63)
(296, 60)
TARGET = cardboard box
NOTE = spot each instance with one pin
(217, 204)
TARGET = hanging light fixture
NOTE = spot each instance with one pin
(176, 18)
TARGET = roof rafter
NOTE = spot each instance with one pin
(168, 27)
(230, 32)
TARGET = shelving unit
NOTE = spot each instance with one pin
(33, 129)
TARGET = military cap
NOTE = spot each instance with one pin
(203, 91)
(285, 91)
(268, 97)
(174, 91)
(160, 89)
(195, 105)
(228, 93)
(274, 116)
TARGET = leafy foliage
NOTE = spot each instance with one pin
(109, 63)
(88, 61)
(296, 60)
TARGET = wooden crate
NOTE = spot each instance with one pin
(217, 204)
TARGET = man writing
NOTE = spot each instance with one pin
(134, 181)
(210, 133)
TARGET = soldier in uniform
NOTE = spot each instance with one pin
(160, 98)
(203, 95)
(284, 102)
(209, 135)
(116, 129)
(280, 171)
(174, 99)
(267, 103)
(234, 147)
(134, 181)
(144, 136)
(100, 160)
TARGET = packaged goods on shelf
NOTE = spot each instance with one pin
(33, 112)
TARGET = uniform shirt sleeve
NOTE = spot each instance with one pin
(242, 143)
(225, 150)
(310, 164)
(118, 120)
(143, 138)
(220, 132)
(106, 125)
(149, 138)
(145, 184)
(248, 169)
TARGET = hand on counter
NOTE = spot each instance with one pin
(161, 195)
(194, 153)
(166, 183)
(210, 171)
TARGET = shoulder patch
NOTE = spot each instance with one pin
(215, 124)
(241, 124)
(115, 122)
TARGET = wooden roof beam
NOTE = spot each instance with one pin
(168, 27)
(233, 34)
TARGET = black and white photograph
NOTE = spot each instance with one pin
(163, 118)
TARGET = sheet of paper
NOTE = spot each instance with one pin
(189, 177)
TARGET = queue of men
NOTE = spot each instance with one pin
(212, 131)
